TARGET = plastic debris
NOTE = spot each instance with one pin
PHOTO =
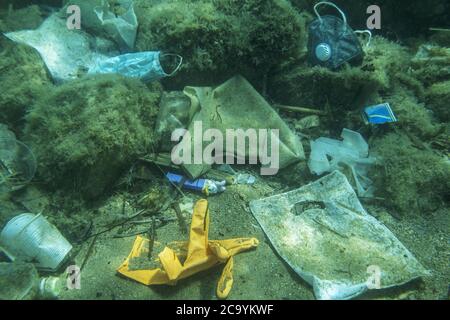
(226, 168)
(222, 108)
(68, 54)
(244, 178)
(20, 281)
(198, 254)
(17, 162)
(308, 122)
(322, 231)
(379, 114)
(121, 27)
(174, 113)
(205, 186)
(141, 65)
(352, 153)
(31, 238)
(65, 53)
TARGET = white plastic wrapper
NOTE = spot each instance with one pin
(353, 152)
(322, 231)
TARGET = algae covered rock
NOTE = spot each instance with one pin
(86, 132)
(413, 115)
(438, 96)
(220, 38)
(23, 74)
(412, 180)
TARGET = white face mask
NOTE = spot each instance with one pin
(332, 42)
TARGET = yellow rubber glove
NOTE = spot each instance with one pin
(202, 254)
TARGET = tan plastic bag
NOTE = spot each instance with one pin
(237, 105)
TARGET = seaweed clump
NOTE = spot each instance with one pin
(431, 66)
(23, 73)
(86, 132)
(438, 98)
(221, 38)
(413, 181)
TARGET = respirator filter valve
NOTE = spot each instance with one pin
(323, 52)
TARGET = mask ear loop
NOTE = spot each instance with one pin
(180, 58)
(367, 32)
(344, 18)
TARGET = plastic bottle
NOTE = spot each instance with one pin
(20, 281)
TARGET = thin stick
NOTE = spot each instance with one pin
(181, 222)
(152, 236)
(300, 109)
(173, 184)
(439, 29)
(88, 253)
(118, 224)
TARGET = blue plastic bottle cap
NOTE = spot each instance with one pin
(323, 52)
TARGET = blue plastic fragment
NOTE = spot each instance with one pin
(196, 185)
(141, 65)
(379, 114)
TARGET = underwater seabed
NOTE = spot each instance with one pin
(91, 140)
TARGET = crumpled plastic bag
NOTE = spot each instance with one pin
(69, 54)
(322, 231)
(65, 52)
(117, 22)
(351, 156)
(198, 254)
(174, 113)
(237, 105)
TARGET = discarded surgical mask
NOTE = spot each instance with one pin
(141, 65)
(379, 114)
(332, 42)
(114, 20)
(350, 156)
(17, 162)
(68, 54)
(322, 231)
(31, 238)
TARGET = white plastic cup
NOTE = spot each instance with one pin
(32, 238)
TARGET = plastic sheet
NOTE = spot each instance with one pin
(69, 54)
(322, 231)
(352, 153)
(17, 162)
